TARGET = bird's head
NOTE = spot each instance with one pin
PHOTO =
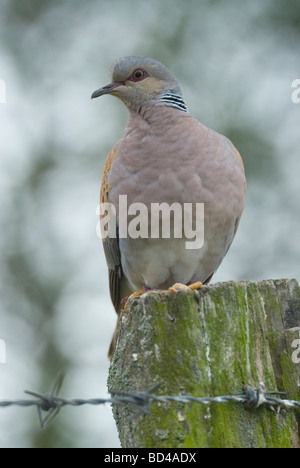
(138, 80)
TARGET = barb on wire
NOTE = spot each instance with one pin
(142, 400)
(49, 404)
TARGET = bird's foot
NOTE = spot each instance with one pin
(138, 293)
(184, 287)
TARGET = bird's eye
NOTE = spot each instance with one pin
(138, 74)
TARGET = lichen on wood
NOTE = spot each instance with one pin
(207, 344)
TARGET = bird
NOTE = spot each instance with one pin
(166, 156)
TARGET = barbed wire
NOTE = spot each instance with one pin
(49, 404)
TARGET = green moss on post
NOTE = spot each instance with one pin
(209, 344)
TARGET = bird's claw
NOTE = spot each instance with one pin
(138, 293)
(183, 287)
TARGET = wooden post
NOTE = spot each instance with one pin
(209, 344)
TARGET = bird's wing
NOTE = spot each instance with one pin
(110, 244)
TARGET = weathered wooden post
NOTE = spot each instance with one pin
(209, 344)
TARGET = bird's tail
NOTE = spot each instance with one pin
(113, 342)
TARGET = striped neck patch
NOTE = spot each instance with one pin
(173, 100)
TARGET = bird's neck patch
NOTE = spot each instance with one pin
(174, 100)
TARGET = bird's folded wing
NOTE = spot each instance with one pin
(111, 244)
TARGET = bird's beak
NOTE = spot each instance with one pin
(108, 89)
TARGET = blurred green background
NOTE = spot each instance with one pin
(235, 62)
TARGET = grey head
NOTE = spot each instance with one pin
(139, 81)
